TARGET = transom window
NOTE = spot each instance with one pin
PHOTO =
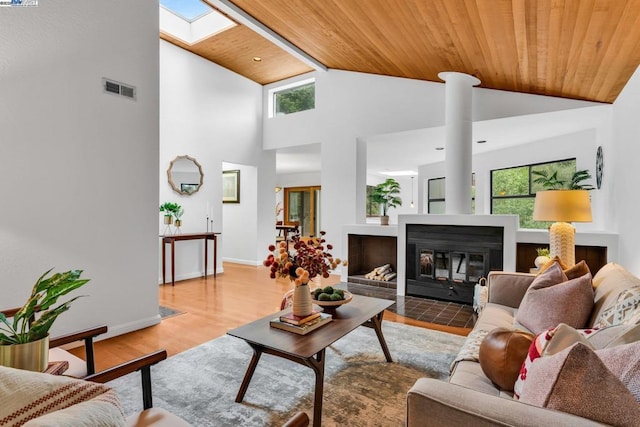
(513, 190)
(294, 98)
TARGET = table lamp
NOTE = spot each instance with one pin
(564, 207)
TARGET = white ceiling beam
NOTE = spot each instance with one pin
(249, 21)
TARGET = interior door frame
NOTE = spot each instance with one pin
(312, 203)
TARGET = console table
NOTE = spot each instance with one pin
(172, 238)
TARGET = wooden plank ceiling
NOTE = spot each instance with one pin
(580, 49)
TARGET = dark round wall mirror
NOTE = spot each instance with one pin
(185, 175)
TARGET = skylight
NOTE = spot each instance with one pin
(191, 20)
(189, 10)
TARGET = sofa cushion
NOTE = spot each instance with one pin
(578, 382)
(555, 260)
(25, 395)
(545, 303)
(548, 343)
(99, 411)
(624, 362)
(501, 355)
(624, 309)
(578, 270)
(608, 282)
(615, 335)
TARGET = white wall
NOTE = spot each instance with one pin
(239, 219)
(581, 145)
(306, 179)
(213, 115)
(79, 166)
(350, 106)
(621, 173)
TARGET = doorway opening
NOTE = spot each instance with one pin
(302, 208)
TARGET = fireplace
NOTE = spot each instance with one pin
(446, 261)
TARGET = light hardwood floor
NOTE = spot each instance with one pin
(210, 308)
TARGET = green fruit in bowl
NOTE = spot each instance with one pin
(336, 297)
(339, 292)
(328, 290)
(317, 292)
(324, 297)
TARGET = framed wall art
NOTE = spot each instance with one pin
(231, 186)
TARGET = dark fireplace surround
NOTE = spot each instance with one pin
(446, 261)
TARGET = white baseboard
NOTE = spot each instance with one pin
(123, 328)
(191, 275)
(242, 261)
(116, 330)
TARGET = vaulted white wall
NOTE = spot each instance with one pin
(214, 115)
(352, 106)
(621, 172)
(581, 145)
(79, 167)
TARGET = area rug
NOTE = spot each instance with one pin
(360, 388)
(166, 312)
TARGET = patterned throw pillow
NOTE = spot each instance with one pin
(548, 343)
(626, 309)
(577, 381)
(26, 395)
(471, 348)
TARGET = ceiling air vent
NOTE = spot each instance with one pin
(117, 88)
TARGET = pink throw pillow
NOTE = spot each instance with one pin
(551, 300)
(576, 381)
(547, 343)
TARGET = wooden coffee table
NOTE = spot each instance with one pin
(309, 350)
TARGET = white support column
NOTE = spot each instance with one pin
(458, 134)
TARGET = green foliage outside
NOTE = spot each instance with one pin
(296, 99)
(373, 208)
(514, 189)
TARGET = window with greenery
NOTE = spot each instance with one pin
(373, 208)
(436, 195)
(513, 190)
(292, 100)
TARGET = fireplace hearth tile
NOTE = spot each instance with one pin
(424, 309)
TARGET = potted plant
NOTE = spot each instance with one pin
(24, 341)
(177, 214)
(169, 209)
(542, 258)
(387, 194)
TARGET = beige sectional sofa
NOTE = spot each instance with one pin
(470, 398)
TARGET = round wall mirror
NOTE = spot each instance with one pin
(185, 175)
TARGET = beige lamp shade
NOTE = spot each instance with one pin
(562, 205)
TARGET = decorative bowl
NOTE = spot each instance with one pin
(333, 304)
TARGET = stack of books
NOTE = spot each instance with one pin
(301, 325)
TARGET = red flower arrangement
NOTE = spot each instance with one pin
(309, 259)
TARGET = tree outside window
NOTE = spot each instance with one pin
(513, 190)
(295, 99)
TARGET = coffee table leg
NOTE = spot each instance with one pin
(376, 321)
(317, 364)
(257, 352)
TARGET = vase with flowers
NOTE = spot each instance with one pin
(301, 261)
